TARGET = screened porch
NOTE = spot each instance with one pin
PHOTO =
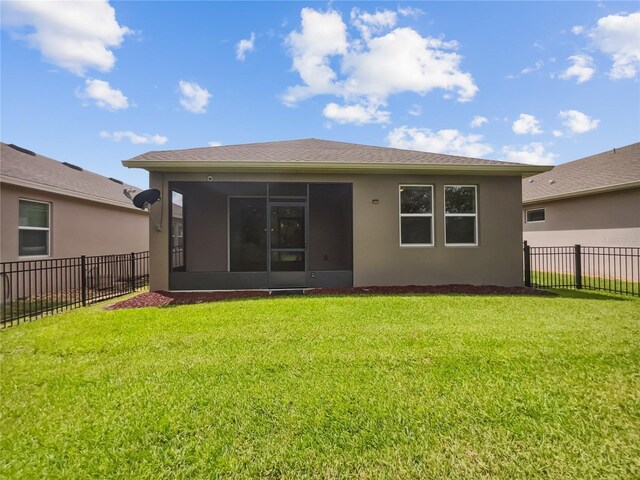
(242, 235)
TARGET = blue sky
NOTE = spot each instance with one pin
(94, 83)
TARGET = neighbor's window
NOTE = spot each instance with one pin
(534, 215)
(460, 215)
(34, 228)
(416, 215)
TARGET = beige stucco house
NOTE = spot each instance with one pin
(52, 209)
(314, 213)
(592, 201)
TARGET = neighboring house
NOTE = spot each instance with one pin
(52, 209)
(314, 213)
(593, 201)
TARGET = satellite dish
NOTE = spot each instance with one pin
(146, 198)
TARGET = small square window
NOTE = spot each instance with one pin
(535, 215)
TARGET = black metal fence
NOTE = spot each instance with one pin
(611, 269)
(34, 288)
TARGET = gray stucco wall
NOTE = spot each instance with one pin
(604, 220)
(378, 259)
(78, 227)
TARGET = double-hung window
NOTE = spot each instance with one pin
(33, 228)
(460, 215)
(416, 215)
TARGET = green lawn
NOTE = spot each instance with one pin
(326, 387)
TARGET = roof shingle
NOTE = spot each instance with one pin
(44, 173)
(608, 169)
(308, 151)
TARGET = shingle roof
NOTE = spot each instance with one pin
(619, 168)
(309, 151)
(44, 173)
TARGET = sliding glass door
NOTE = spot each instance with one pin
(282, 252)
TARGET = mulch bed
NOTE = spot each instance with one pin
(163, 298)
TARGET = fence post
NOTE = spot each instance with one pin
(133, 271)
(527, 264)
(578, 260)
(83, 279)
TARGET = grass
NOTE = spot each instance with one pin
(367, 387)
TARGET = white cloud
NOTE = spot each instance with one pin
(527, 70)
(404, 61)
(245, 45)
(526, 125)
(582, 68)
(76, 37)
(194, 98)
(577, 122)
(410, 11)
(370, 23)
(447, 141)
(370, 68)
(103, 95)
(415, 110)
(533, 154)
(356, 114)
(322, 35)
(557, 133)
(478, 121)
(617, 35)
(538, 65)
(134, 138)
(214, 144)
(577, 30)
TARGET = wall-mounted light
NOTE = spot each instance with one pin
(375, 201)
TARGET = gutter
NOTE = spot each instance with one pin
(311, 167)
(581, 193)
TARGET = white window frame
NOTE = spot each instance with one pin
(48, 229)
(444, 209)
(533, 210)
(412, 245)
